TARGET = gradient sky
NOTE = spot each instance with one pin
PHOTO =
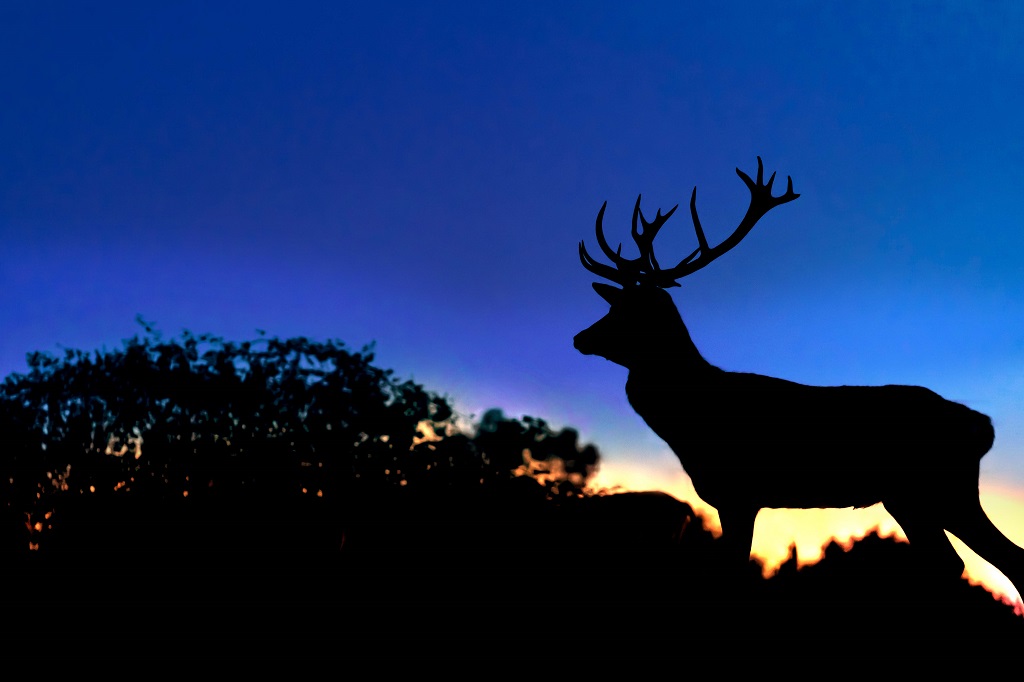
(419, 175)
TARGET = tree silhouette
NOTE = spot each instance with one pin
(290, 433)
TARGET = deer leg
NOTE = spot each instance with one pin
(971, 524)
(737, 533)
(933, 551)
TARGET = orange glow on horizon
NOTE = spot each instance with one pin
(811, 530)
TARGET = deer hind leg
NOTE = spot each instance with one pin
(969, 522)
(932, 550)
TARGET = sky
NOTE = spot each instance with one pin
(418, 176)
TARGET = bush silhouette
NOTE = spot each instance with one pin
(297, 434)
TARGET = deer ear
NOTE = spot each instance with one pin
(609, 293)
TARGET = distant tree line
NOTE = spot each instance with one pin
(259, 428)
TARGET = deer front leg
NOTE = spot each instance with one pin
(737, 534)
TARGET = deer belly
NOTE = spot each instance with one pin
(769, 482)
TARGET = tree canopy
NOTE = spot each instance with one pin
(261, 428)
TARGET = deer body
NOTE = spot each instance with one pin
(765, 442)
(749, 441)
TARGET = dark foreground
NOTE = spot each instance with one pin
(629, 566)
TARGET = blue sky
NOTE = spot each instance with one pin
(419, 175)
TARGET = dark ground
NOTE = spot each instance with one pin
(634, 566)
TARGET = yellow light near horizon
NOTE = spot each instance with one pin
(811, 530)
(1005, 507)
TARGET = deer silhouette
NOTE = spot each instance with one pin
(749, 441)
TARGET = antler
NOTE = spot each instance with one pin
(627, 270)
(761, 201)
(645, 269)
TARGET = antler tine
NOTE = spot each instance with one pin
(761, 201)
(645, 240)
(599, 227)
(616, 255)
(690, 257)
(702, 241)
(640, 239)
(651, 228)
(761, 198)
(627, 271)
(702, 246)
(602, 270)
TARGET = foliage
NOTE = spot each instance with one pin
(267, 428)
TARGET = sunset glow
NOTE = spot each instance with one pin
(809, 531)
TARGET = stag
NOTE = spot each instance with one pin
(749, 441)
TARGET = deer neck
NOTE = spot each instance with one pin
(669, 386)
(669, 351)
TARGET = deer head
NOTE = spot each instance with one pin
(643, 322)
